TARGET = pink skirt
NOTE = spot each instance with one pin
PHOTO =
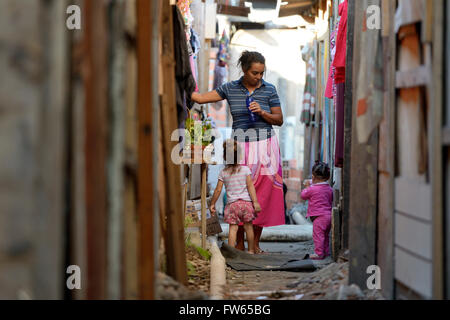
(264, 160)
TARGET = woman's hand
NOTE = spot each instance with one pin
(256, 108)
(212, 209)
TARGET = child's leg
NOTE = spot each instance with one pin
(232, 235)
(318, 238)
(250, 237)
(327, 236)
(240, 239)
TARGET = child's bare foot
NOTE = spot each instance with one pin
(315, 257)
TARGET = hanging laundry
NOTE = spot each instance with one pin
(185, 10)
(309, 95)
(330, 91)
(195, 42)
(220, 70)
(341, 44)
(185, 82)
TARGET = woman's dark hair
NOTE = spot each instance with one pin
(231, 148)
(248, 58)
(321, 170)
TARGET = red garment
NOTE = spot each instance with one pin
(341, 44)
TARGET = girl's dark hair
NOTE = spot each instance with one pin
(321, 170)
(231, 148)
(248, 58)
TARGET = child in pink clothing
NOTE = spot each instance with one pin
(242, 203)
(320, 200)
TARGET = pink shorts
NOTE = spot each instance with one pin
(239, 212)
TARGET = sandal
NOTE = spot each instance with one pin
(260, 251)
(315, 257)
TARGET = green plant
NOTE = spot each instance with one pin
(197, 132)
(191, 271)
(203, 252)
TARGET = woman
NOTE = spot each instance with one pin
(262, 152)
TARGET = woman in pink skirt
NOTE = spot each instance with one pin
(255, 108)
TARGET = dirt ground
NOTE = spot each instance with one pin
(328, 282)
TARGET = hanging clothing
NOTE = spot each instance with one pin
(195, 42)
(185, 82)
(330, 91)
(339, 142)
(341, 44)
(309, 95)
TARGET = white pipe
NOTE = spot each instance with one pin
(218, 277)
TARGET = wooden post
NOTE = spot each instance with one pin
(145, 207)
(386, 187)
(95, 42)
(363, 181)
(346, 172)
(436, 114)
(204, 169)
(175, 247)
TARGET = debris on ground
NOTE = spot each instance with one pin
(169, 289)
(198, 269)
(328, 283)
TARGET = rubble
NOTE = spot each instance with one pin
(169, 289)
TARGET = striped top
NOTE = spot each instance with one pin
(236, 93)
(236, 184)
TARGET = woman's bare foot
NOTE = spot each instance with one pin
(251, 252)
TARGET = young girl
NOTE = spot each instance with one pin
(320, 200)
(242, 203)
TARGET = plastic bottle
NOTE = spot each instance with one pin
(252, 116)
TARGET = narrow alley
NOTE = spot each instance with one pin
(214, 150)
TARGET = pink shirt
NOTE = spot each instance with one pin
(320, 199)
(236, 184)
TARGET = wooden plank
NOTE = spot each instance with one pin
(413, 197)
(232, 10)
(386, 160)
(145, 176)
(446, 137)
(116, 161)
(413, 272)
(348, 124)
(363, 185)
(413, 235)
(204, 182)
(77, 231)
(95, 42)
(436, 153)
(335, 233)
(130, 275)
(413, 78)
(175, 247)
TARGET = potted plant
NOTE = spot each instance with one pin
(198, 135)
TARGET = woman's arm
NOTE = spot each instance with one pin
(274, 118)
(209, 97)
